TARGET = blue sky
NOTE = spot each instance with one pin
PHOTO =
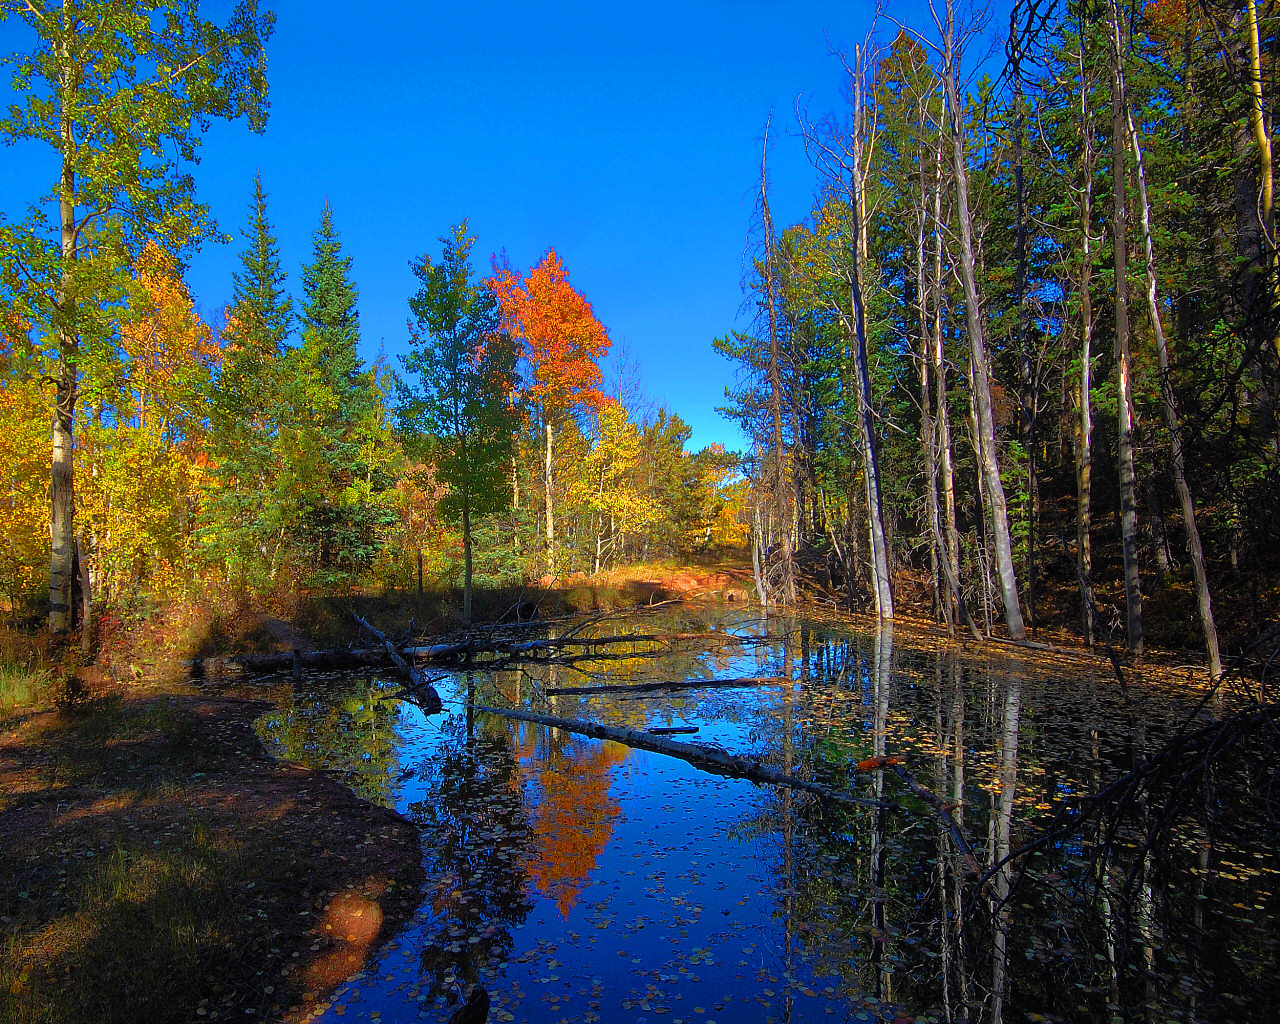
(626, 136)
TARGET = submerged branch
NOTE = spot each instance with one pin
(670, 684)
(707, 758)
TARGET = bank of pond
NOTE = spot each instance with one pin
(576, 879)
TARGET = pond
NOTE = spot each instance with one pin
(581, 880)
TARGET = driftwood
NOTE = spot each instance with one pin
(673, 730)
(425, 692)
(461, 650)
(670, 684)
(710, 759)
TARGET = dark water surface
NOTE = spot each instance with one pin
(580, 880)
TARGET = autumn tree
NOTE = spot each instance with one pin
(118, 96)
(562, 343)
(461, 411)
(143, 470)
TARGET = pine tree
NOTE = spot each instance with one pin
(247, 404)
(329, 504)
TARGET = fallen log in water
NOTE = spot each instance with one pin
(425, 692)
(670, 684)
(462, 650)
(710, 759)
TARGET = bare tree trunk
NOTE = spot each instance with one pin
(1084, 443)
(1028, 405)
(1124, 400)
(940, 386)
(62, 503)
(781, 491)
(1262, 135)
(989, 465)
(875, 519)
(550, 517)
(757, 541)
(1203, 600)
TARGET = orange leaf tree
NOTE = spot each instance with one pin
(561, 345)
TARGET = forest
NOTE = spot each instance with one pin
(1024, 346)
(983, 607)
(980, 379)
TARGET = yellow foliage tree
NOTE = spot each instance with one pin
(25, 449)
(142, 472)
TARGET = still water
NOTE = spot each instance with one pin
(580, 880)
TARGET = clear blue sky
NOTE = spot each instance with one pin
(627, 136)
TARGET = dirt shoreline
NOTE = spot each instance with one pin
(158, 863)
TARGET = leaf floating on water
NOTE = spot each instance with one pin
(872, 763)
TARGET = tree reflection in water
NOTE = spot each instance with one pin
(1152, 901)
(573, 814)
(476, 838)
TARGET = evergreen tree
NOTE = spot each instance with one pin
(329, 503)
(247, 403)
(259, 299)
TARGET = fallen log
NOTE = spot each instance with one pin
(707, 758)
(670, 684)
(425, 692)
(673, 730)
(460, 650)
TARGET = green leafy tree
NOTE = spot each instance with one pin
(331, 498)
(461, 410)
(120, 93)
(247, 400)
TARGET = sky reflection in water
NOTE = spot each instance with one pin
(580, 880)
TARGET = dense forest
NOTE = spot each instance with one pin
(1022, 355)
(258, 452)
(1018, 365)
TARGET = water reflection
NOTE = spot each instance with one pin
(583, 881)
(342, 723)
(567, 787)
(477, 839)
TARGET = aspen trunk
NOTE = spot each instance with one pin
(62, 500)
(1084, 442)
(781, 493)
(1203, 600)
(1128, 508)
(550, 517)
(989, 465)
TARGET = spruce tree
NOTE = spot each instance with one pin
(331, 326)
(259, 299)
(247, 403)
(330, 507)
